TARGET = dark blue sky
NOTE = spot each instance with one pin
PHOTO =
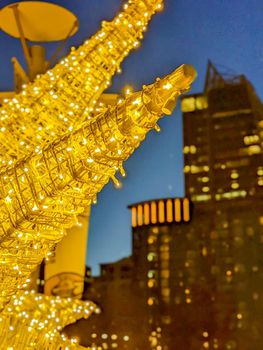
(229, 32)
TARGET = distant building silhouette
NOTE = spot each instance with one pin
(224, 178)
(121, 308)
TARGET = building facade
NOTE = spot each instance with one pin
(121, 310)
(224, 178)
(159, 228)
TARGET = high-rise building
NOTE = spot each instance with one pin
(224, 178)
(138, 296)
(222, 133)
(159, 231)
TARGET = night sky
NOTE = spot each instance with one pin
(229, 32)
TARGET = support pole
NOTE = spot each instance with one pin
(22, 36)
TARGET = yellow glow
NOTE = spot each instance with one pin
(58, 150)
(188, 104)
(234, 185)
(153, 213)
(146, 213)
(140, 215)
(61, 160)
(134, 216)
(38, 319)
(150, 301)
(47, 209)
(151, 283)
(161, 212)
(169, 210)
(186, 212)
(177, 210)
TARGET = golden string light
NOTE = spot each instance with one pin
(59, 100)
(34, 321)
(58, 150)
(42, 194)
(55, 104)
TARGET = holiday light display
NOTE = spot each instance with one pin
(56, 103)
(42, 194)
(34, 321)
(57, 153)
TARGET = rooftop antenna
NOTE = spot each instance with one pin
(36, 21)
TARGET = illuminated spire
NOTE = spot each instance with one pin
(43, 193)
(58, 101)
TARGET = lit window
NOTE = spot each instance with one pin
(188, 104)
(186, 149)
(150, 301)
(155, 230)
(177, 210)
(134, 217)
(165, 239)
(169, 210)
(164, 247)
(151, 283)
(234, 185)
(146, 213)
(198, 169)
(234, 175)
(161, 212)
(152, 256)
(151, 239)
(250, 139)
(140, 215)
(201, 197)
(153, 213)
(187, 169)
(190, 149)
(206, 189)
(201, 102)
(151, 274)
(255, 149)
(205, 179)
(206, 345)
(204, 251)
(186, 209)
